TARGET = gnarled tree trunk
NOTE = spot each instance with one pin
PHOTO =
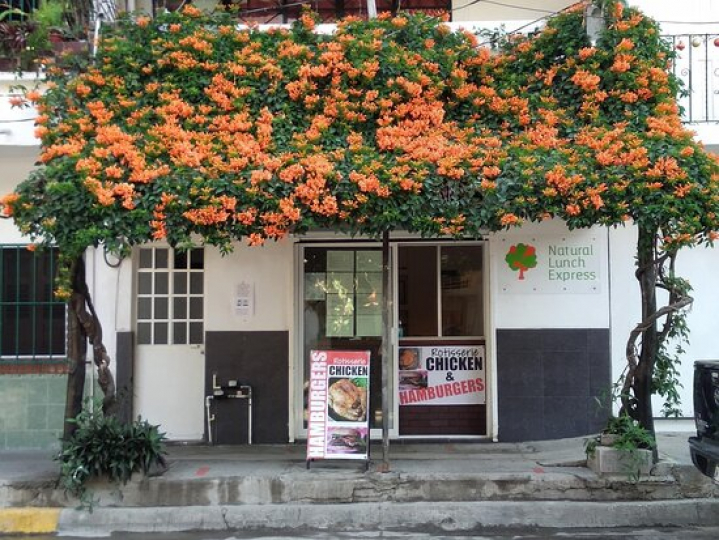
(646, 339)
(83, 325)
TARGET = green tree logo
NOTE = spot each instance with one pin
(521, 257)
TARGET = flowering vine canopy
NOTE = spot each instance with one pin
(188, 126)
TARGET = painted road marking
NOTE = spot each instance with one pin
(29, 520)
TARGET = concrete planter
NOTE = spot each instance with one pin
(608, 439)
(611, 461)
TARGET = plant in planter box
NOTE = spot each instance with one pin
(104, 447)
(631, 448)
(50, 21)
(65, 25)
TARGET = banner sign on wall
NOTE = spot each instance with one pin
(441, 375)
(338, 423)
(550, 264)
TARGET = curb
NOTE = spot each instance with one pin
(29, 520)
(341, 487)
(446, 517)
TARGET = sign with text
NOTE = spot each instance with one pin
(550, 264)
(338, 423)
(441, 375)
(245, 299)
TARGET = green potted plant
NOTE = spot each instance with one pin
(104, 448)
(49, 18)
(27, 38)
(67, 24)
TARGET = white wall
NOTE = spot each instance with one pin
(625, 297)
(110, 283)
(687, 16)
(699, 265)
(18, 126)
(267, 269)
(16, 162)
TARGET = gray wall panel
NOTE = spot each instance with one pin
(549, 381)
(124, 374)
(258, 359)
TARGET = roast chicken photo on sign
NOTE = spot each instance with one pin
(408, 359)
(347, 401)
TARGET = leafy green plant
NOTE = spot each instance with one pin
(104, 447)
(48, 18)
(629, 434)
(15, 37)
(624, 433)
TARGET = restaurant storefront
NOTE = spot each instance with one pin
(507, 338)
(437, 386)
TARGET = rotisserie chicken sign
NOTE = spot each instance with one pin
(338, 425)
(441, 375)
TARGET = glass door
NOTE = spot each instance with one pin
(441, 369)
(342, 310)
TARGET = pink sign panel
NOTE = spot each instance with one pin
(338, 421)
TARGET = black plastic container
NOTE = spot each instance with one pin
(704, 448)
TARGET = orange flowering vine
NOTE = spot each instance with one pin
(228, 133)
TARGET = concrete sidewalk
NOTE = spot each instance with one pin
(452, 486)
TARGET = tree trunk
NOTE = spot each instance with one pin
(84, 325)
(647, 276)
(76, 353)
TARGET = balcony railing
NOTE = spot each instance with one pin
(697, 66)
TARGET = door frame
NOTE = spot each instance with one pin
(196, 351)
(297, 429)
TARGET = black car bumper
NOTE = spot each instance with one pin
(705, 455)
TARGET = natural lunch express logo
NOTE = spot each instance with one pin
(521, 258)
(558, 266)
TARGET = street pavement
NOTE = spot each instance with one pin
(692, 533)
(443, 488)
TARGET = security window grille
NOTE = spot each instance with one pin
(170, 291)
(32, 320)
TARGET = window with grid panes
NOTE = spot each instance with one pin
(170, 296)
(32, 319)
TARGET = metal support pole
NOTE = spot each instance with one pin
(386, 348)
(210, 419)
(248, 389)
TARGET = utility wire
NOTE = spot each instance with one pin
(689, 22)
